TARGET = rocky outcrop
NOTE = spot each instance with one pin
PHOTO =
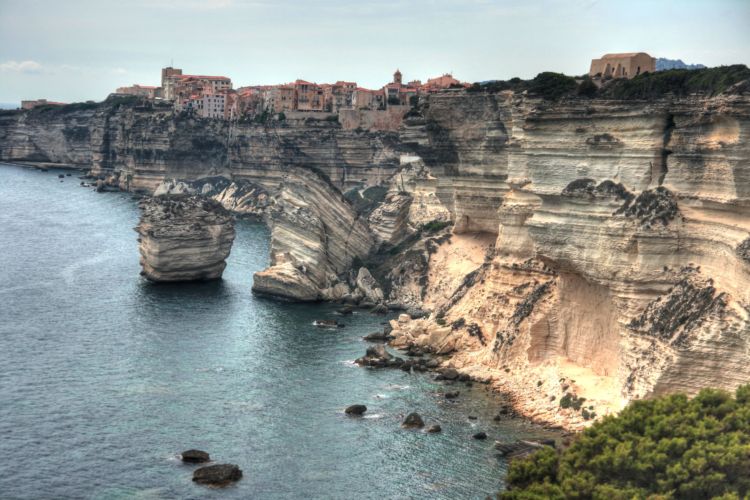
(184, 238)
(315, 236)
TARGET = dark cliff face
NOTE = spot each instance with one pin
(143, 143)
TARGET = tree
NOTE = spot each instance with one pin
(668, 447)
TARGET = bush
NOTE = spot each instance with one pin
(434, 226)
(669, 447)
(680, 82)
(571, 401)
(587, 88)
(281, 117)
(552, 86)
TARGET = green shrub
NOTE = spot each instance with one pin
(551, 85)
(587, 88)
(434, 226)
(281, 117)
(680, 82)
(571, 401)
(668, 447)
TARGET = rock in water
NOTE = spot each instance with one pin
(480, 435)
(184, 238)
(217, 475)
(375, 356)
(434, 429)
(413, 421)
(356, 410)
(195, 456)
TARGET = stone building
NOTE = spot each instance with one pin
(309, 96)
(625, 65)
(32, 103)
(148, 91)
(177, 86)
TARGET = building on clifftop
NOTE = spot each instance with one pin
(625, 65)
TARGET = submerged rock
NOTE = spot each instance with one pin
(184, 238)
(480, 435)
(521, 448)
(195, 456)
(413, 421)
(217, 475)
(326, 323)
(435, 428)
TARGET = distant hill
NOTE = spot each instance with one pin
(663, 64)
(9, 105)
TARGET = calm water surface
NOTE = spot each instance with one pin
(105, 377)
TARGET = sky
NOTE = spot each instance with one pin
(76, 50)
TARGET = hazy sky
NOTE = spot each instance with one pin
(75, 50)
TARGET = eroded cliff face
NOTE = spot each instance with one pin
(614, 268)
(584, 247)
(291, 173)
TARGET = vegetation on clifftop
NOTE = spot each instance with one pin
(678, 82)
(669, 447)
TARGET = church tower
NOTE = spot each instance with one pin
(397, 77)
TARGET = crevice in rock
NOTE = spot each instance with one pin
(665, 151)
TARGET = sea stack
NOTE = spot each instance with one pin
(184, 238)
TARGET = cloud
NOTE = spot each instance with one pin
(21, 67)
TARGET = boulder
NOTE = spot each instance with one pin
(377, 337)
(217, 475)
(379, 309)
(450, 374)
(369, 286)
(195, 456)
(413, 421)
(375, 356)
(480, 435)
(434, 429)
(356, 410)
(452, 395)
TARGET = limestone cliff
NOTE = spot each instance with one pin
(588, 247)
(613, 267)
(184, 238)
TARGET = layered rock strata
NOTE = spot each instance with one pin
(594, 249)
(619, 231)
(184, 238)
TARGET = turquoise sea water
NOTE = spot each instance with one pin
(105, 378)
